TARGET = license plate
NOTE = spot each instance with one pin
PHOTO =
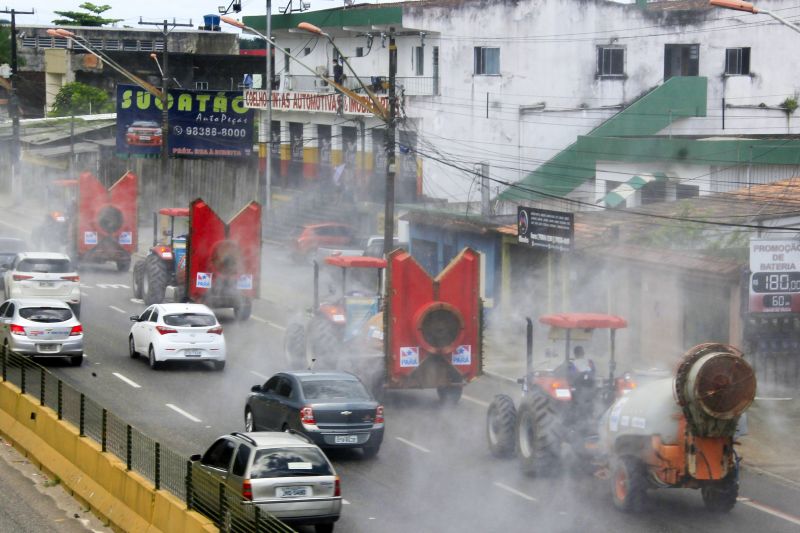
(48, 347)
(144, 137)
(193, 353)
(47, 283)
(294, 492)
(345, 439)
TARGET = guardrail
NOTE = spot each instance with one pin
(165, 468)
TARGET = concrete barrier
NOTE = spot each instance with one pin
(125, 500)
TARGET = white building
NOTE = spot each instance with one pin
(565, 98)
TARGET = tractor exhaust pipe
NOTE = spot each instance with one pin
(528, 352)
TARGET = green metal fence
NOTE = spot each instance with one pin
(165, 468)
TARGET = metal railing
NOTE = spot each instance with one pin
(165, 468)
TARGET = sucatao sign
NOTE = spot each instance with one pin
(316, 102)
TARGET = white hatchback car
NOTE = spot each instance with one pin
(177, 331)
(41, 327)
(43, 275)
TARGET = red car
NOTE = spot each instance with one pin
(326, 234)
(143, 133)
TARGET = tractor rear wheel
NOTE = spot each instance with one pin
(123, 265)
(538, 444)
(501, 420)
(628, 484)
(294, 345)
(720, 497)
(138, 279)
(154, 285)
(323, 342)
(243, 310)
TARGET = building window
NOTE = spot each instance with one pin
(129, 45)
(487, 61)
(112, 44)
(286, 60)
(97, 44)
(418, 60)
(610, 61)
(201, 86)
(307, 51)
(146, 46)
(737, 61)
(359, 51)
(681, 60)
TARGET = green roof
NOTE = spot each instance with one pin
(331, 18)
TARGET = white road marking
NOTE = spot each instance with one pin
(259, 374)
(417, 446)
(514, 491)
(128, 381)
(345, 502)
(84, 286)
(112, 286)
(475, 400)
(763, 472)
(117, 309)
(182, 412)
(20, 228)
(765, 399)
(267, 322)
(769, 510)
(137, 300)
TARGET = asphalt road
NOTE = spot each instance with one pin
(434, 471)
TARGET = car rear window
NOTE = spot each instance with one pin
(190, 320)
(289, 462)
(45, 314)
(44, 266)
(327, 389)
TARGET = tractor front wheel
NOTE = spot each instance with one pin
(500, 422)
(720, 497)
(538, 445)
(154, 285)
(628, 485)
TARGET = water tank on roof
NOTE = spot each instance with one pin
(211, 22)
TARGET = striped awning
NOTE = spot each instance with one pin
(624, 191)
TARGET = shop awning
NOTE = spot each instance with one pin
(624, 191)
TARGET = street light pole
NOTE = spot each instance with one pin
(738, 5)
(267, 135)
(388, 214)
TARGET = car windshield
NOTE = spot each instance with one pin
(190, 320)
(45, 314)
(44, 266)
(289, 462)
(334, 389)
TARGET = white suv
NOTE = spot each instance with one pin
(43, 275)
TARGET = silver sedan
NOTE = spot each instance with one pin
(41, 327)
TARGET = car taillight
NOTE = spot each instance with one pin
(71, 278)
(379, 415)
(307, 416)
(21, 277)
(337, 488)
(217, 330)
(16, 329)
(247, 490)
(164, 330)
(76, 330)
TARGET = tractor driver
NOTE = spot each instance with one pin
(581, 370)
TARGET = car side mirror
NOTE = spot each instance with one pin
(195, 457)
(255, 388)
(134, 318)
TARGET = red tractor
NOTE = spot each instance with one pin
(208, 261)
(434, 325)
(561, 404)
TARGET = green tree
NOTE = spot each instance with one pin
(5, 42)
(92, 16)
(80, 99)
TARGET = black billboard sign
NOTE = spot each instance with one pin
(201, 123)
(540, 228)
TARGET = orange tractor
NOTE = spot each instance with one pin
(434, 325)
(208, 261)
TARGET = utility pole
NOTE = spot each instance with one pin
(165, 31)
(388, 216)
(266, 194)
(13, 102)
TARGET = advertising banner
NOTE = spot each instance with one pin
(775, 276)
(540, 228)
(201, 123)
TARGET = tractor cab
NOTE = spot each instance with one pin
(170, 228)
(60, 201)
(359, 296)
